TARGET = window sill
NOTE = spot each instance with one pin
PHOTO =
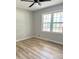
(52, 32)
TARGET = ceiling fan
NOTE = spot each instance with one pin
(35, 1)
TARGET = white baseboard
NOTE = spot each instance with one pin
(49, 40)
(24, 38)
(39, 38)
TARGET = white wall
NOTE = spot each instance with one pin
(23, 24)
(37, 19)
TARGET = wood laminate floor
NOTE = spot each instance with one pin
(38, 49)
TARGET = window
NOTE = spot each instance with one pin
(57, 22)
(46, 22)
(53, 22)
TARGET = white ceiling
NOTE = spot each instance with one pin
(25, 5)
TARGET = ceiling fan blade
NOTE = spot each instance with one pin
(27, 0)
(44, 0)
(32, 4)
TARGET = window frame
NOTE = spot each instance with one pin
(51, 25)
(42, 23)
